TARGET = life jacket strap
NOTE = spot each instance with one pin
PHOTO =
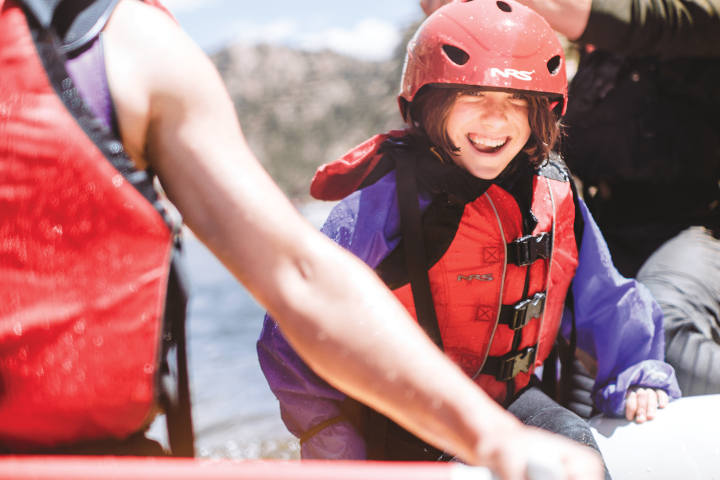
(415, 254)
(518, 315)
(507, 367)
(526, 250)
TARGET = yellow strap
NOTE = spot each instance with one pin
(318, 428)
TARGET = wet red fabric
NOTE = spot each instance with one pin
(84, 260)
(467, 310)
(352, 168)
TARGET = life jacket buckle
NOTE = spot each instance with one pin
(512, 365)
(527, 309)
(531, 247)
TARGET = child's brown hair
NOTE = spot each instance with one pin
(428, 113)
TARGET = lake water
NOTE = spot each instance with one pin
(234, 412)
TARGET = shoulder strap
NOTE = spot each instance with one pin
(579, 223)
(42, 10)
(412, 234)
(76, 23)
(568, 357)
(174, 381)
(561, 351)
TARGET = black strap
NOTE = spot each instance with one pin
(579, 222)
(507, 367)
(175, 385)
(518, 315)
(42, 10)
(526, 250)
(549, 374)
(76, 23)
(550, 386)
(79, 23)
(377, 436)
(413, 239)
(567, 357)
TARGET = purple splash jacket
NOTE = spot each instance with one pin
(618, 323)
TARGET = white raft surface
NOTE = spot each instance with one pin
(682, 442)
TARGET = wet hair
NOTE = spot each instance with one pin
(427, 116)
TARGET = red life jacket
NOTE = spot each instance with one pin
(474, 271)
(84, 260)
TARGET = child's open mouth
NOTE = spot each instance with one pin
(487, 145)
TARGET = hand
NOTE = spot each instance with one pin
(429, 6)
(569, 17)
(522, 453)
(642, 403)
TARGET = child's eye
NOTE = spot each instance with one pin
(519, 99)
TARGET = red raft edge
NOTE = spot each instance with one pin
(19, 467)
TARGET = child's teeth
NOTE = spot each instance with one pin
(486, 142)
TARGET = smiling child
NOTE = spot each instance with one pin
(472, 220)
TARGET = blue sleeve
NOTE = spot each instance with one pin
(367, 224)
(619, 323)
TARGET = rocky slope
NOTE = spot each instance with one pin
(301, 109)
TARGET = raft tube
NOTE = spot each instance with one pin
(681, 442)
(134, 468)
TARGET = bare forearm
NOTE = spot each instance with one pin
(365, 344)
(569, 17)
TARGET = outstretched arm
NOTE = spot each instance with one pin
(661, 28)
(569, 17)
(174, 114)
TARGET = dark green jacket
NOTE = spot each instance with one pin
(644, 109)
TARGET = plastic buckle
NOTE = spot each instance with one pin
(514, 364)
(532, 247)
(526, 310)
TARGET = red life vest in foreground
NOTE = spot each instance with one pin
(475, 271)
(84, 262)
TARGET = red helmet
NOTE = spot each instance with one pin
(487, 43)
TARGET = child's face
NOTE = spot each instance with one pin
(490, 128)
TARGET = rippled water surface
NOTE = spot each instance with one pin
(234, 412)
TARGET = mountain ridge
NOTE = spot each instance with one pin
(301, 109)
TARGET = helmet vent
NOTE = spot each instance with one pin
(504, 7)
(553, 65)
(457, 55)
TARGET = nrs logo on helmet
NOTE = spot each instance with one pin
(526, 76)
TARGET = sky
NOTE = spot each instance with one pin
(365, 29)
